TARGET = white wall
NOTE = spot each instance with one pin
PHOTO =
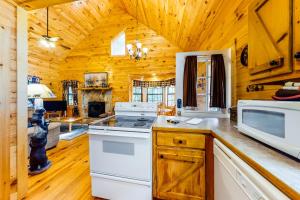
(180, 61)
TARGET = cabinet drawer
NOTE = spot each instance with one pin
(174, 139)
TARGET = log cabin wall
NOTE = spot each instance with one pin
(230, 29)
(70, 22)
(8, 20)
(93, 55)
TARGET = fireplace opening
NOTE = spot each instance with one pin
(95, 109)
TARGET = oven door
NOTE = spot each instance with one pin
(121, 154)
(271, 125)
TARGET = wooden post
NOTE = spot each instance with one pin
(4, 113)
(22, 138)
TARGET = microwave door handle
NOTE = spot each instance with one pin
(116, 134)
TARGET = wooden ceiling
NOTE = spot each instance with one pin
(70, 22)
(36, 4)
(183, 22)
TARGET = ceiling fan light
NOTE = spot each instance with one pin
(53, 39)
(51, 44)
(129, 47)
(139, 45)
(43, 42)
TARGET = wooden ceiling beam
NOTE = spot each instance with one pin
(37, 4)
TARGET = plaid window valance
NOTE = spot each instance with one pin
(165, 83)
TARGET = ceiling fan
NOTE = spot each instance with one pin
(46, 40)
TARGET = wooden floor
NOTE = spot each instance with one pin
(68, 178)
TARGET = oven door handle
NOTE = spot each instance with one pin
(120, 134)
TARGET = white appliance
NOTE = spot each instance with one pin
(121, 153)
(235, 180)
(136, 109)
(275, 123)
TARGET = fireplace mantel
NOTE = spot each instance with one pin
(90, 94)
(88, 89)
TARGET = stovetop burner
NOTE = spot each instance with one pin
(139, 123)
(144, 122)
(142, 119)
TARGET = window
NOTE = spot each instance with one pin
(137, 94)
(155, 94)
(70, 96)
(118, 45)
(203, 86)
(171, 96)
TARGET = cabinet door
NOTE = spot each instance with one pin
(297, 34)
(180, 174)
(270, 38)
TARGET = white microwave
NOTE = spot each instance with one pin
(276, 123)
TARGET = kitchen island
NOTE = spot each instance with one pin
(278, 168)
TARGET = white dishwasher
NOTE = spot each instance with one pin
(236, 180)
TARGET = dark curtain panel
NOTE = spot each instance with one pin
(190, 81)
(218, 82)
(74, 85)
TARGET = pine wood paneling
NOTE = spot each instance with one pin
(93, 55)
(229, 27)
(4, 114)
(8, 21)
(36, 4)
(181, 22)
(71, 24)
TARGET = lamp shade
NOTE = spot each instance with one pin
(37, 90)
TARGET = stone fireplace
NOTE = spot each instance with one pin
(94, 96)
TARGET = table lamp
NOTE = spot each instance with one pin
(37, 92)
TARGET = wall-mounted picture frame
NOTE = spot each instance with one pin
(96, 79)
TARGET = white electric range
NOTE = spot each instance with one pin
(121, 153)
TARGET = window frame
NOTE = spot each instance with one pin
(168, 93)
(207, 87)
(135, 93)
(114, 42)
(155, 94)
(70, 95)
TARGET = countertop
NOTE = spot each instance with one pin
(281, 170)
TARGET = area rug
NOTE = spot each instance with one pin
(73, 134)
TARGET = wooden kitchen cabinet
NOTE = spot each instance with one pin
(297, 34)
(180, 174)
(270, 38)
(182, 165)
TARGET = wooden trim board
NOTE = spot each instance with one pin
(22, 136)
(4, 114)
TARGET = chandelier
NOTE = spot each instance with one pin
(137, 52)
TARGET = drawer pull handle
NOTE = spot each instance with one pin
(179, 141)
(161, 156)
